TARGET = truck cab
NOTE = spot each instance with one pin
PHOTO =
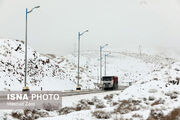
(109, 82)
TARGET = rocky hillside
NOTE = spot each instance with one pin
(41, 70)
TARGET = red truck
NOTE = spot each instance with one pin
(109, 82)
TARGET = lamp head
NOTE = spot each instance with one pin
(37, 7)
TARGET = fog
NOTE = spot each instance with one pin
(123, 24)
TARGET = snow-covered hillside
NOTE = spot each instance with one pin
(46, 70)
(153, 95)
(42, 71)
(151, 98)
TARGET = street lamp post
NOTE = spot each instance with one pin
(105, 63)
(101, 47)
(25, 76)
(79, 37)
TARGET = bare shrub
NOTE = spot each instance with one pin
(176, 69)
(127, 106)
(29, 114)
(101, 114)
(135, 102)
(114, 103)
(157, 102)
(66, 110)
(155, 115)
(84, 101)
(158, 115)
(145, 99)
(80, 107)
(155, 78)
(100, 105)
(151, 98)
(90, 103)
(17, 115)
(174, 115)
(172, 95)
(137, 116)
(40, 113)
(108, 97)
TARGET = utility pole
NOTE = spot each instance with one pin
(101, 47)
(105, 63)
(140, 50)
(78, 77)
(26, 88)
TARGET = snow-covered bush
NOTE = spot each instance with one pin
(101, 114)
(127, 106)
(157, 102)
(29, 114)
(82, 105)
(108, 97)
(100, 105)
(173, 115)
(156, 115)
(66, 110)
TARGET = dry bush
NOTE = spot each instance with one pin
(174, 115)
(66, 110)
(155, 115)
(172, 95)
(80, 107)
(144, 99)
(83, 105)
(17, 115)
(176, 69)
(157, 102)
(127, 106)
(108, 97)
(137, 116)
(29, 114)
(101, 114)
(136, 102)
(114, 103)
(158, 115)
(100, 105)
(84, 101)
(151, 98)
(90, 103)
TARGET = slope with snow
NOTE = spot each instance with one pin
(147, 99)
(42, 71)
(154, 93)
(61, 72)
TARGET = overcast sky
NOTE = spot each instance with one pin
(121, 23)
